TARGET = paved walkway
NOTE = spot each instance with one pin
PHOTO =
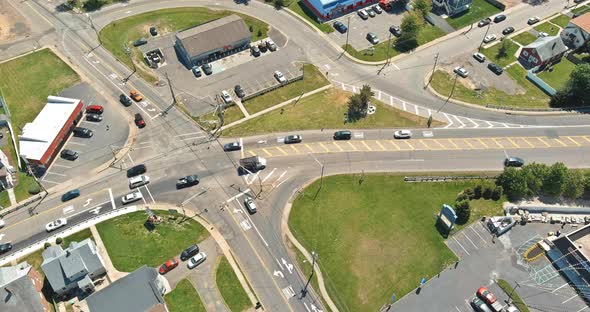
(11, 196)
(441, 23)
(112, 273)
(242, 108)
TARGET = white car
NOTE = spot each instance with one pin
(226, 97)
(51, 226)
(402, 134)
(131, 197)
(280, 77)
(363, 14)
(479, 57)
(489, 38)
(2, 223)
(461, 72)
(196, 260)
(542, 35)
(250, 205)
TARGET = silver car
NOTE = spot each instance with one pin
(131, 197)
(250, 205)
(402, 134)
(196, 260)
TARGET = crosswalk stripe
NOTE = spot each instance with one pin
(393, 143)
(282, 151)
(264, 150)
(543, 141)
(310, 149)
(578, 144)
(366, 145)
(295, 149)
(322, 145)
(511, 141)
(453, 143)
(527, 142)
(467, 142)
(381, 146)
(482, 143)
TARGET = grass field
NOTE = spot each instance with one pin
(76, 237)
(130, 245)
(479, 10)
(532, 97)
(516, 300)
(123, 32)
(299, 8)
(184, 298)
(524, 38)
(21, 190)
(28, 80)
(549, 28)
(366, 234)
(324, 110)
(560, 74)
(229, 286)
(561, 20)
(581, 9)
(312, 79)
(493, 56)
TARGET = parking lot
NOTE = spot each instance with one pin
(357, 32)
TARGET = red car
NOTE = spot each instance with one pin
(169, 265)
(486, 295)
(94, 109)
(139, 120)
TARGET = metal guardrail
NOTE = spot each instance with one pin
(447, 178)
(29, 201)
(539, 109)
(271, 88)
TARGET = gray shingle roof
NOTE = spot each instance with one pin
(20, 295)
(213, 35)
(9, 274)
(547, 47)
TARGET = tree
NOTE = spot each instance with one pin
(503, 50)
(555, 179)
(574, 184)
(463, 211)
(587, 185)
(513, 182)
(58, 241)
(497, 192)
(279, 4)
(469, 193)
(422, 7)
(577, 90)
(535, 174)
(411, 24)
(359, 103)
(477, 190)
(46, 245)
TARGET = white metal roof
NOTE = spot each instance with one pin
(36, 136)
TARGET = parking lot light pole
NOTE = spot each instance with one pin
(128, 52)
(347, 32)
(512, 292)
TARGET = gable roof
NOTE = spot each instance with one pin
(583, 22)
(213, 35)
(11, 273)
(139, 291)
(20, 295)
(547, 47)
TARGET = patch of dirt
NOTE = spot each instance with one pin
(13, 25)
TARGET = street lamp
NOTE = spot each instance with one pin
(128, 52)
(314, 255)
(95, 31)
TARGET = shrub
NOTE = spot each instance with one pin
(251, 28)
(461, 197)
(469, 192)
(497, 193)
(34, 189)
(463, 211)
(259, 33)
(477, 191)
(488, 190)
(513, 182)
(58, 241)
(46, 245)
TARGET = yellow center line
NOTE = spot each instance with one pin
(511, 141)
(467, 142)
(309, 148)
(366, 145)
(497, 143)
(269, 154)
(351, 145)
(482, 143)
(338, 146)
(381, 146)
(546, 144)
(293, 147)
(527, 142)
(282, 151)
(393, 143)
(453, 143)
(559, 141)
(570, 138)
(322, 145)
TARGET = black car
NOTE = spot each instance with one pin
(293, 139)
(187, 181)
(341, 28)
(513, 162)
(139, 42)
(69, 154)
(255, 51)
(495, 68)
(93, 117)
(153, 31)
(191, 251)
(395, 30)
(136, 170)
(239, 91)
(70, 195)
(233, 146)
(82, 132)
(139, 122)
(4, 248)
(125, 100)
(207, 69)
(342, 135)
(508, 30)
(578, 1)
(262, 47)
(484, 22)
(499, 18)
(196, 71)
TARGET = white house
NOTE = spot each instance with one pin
(577, 31)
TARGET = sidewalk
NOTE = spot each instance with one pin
(11, 196)
(112, 273)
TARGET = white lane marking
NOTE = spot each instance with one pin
(58, 165)
(58, 174)
(252, 222)
(473, 122)
(305, 304)
(582, 309)
(316, 160)
(427, 134)
(88, 202)
(461, 245)
(416, 108)
(94, 209)
(560, 287)
(469, 239)
(359, 135)
(390, 100)
(236, 196)
(289, 266)
(277, 260)
(141, 147)
(268, 176)
(457, 309)
(459, 120)
(449, 119)
(142, 143)
(194, 138)
(281, 182)
(505, 125)
(404, 105)
(131, 159)
(253, 177)
(395, 66)
(379, 95)
(68, 209)
(188, 134)
(572, 297)
(483, 240)
(112, 198)
(242, 147)
(278, 273)
(489, 123)
(149, 193)
(2, 236)
(49, 181)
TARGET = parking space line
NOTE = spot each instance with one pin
(351, 145)
(457, 309)
(282, 151)
(380, 145)
(338, 146)
(482, 143)
(582, 309)
(366, 145)
(560, 287)
(268, 176)
(469, 239)
(322, 145)
(58, 165)
(559, 141)
(58, 174)
(461, 246)
(43, 180)
(410, 145)
(578, 144)
(393, 143)
(483, 240)
(150, 193)
(572, 297)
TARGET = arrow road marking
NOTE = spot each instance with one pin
(151, 109)
(238, 211)
(288, 265)
(279, 273)
(315, 309)
(88, 202)
(95, 210)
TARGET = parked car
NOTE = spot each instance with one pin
(484, 22)
(190, 251)
(136, 170)
(533, 20)
(226, 97)
(93, 117)
(262, 47)
(2, 223)
(250, 205)
(363, 14)
(196, 260)
(168, 266)
(377, 9)
(513, 162)
(479, 57)
(271, 45)
(239, 91)
(139, 122)
(341, 28)
(342, 135)
(542, 35)
(131, 197)
(125, 100)
(139, 42)
(578, 1)
(69, 154)
(479, 305)
(69, 195)
(495, 68)
(82, 132)
(135, 95)
(461, 72)
(187, 181)
(499, 18)
(395, 30)
(512, 308)
(138, 181)
(196, 71)
(255, 51)
(280, 77)
(402, 134)
(94, 109)
(484, 294)
(54, 225)
(233, 146)
(489, 38)
(372, 38)
(6, 247)
(508, 30)
(207, 69)
(290, 139)
(370, 12)
(153, 31)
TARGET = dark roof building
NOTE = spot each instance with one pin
(212, 40)
(140, 291)
(20, 289)
(542, 52)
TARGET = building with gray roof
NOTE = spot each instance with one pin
(213, 40)
(140, 291)
(542, 52)
(20, 289)
(74, 268)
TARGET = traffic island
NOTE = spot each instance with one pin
(184, 297)
(230, 287)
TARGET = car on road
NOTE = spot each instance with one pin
(484, 294)
(372, 38)
(495, 68)
(250, 205)
(93, 117)
(499, 18)
(54, 225)
(479, 57)
(233, 146)
(533, 20)
(402, 134)
(69, 195)
(196, 71)
(239, 91)
(2, 223)
(82, 132)
(262, 47)
(342, 135)
(125, 100)
(363, 14)
(187, 181)
(138, 181)
(461, 72)
(290, 139)
(226, 97)
(377, 9)
(484, 22)
(131, 197)
(135, 95)
(136, 170)
(94, 109)
(271, 45)
(255, 51)
(69, 154)
(395, 30)
(479, 305)
(508, 30)
(168, 266)
(190, 251)
(513, 162)
(207, 69)
(153, 31)
(489, 38)
(139, 42)
(370, 12)
(196, 260)
(139, 122)
(280, 77)
(578, 1)
(341, 28)
(6, 247)
(542, 35)
(512, 308)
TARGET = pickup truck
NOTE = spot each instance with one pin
(254, 163)
(187, 181)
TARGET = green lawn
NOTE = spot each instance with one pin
(549, 28)
(581, 9)
(524, 38)
(312, 79)
(231, 114)
(560, 74)
(28, 80)
(25, 182)
(479, 10)
(493, 56)
(184, 298)
(516, 300)
(366, 234)
(561, 20)
(4, 200)
(300, 8)
(229, 286)
(324, 110)
(427, 33)
(35, 259)
(130, 245)
(124, 31)
(76, 237)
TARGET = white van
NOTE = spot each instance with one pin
(138, 181)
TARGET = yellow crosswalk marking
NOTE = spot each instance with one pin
(295, 149)
(366, 145)
(410, 145)
(441, 146)
(381, 146)
(527, 142)
(282, 151)
(423, 142)
(351, 145)
(338, 146)
(467, 142)
(511, 141)
(322, 145)
(559, 141)
(570, 138)
(310, 149)
(453, 143)
(393, 143)
(482, 143)
(264, 150)
(541, 139)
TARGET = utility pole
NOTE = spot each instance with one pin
(450, 95)
(484, 36)
(95, 31)
(303, 78)
(512, 292)
(347, 32)
(433, 69)
(313, 257)
(128, 52)
(165, 112)
(387, 58)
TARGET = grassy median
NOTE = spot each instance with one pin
(229, 286)
(184, 298)
(516, 300)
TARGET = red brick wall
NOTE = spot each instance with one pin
(61, 137)
(38, 283)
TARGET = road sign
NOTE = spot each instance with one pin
(393, 298)
(422, 281)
